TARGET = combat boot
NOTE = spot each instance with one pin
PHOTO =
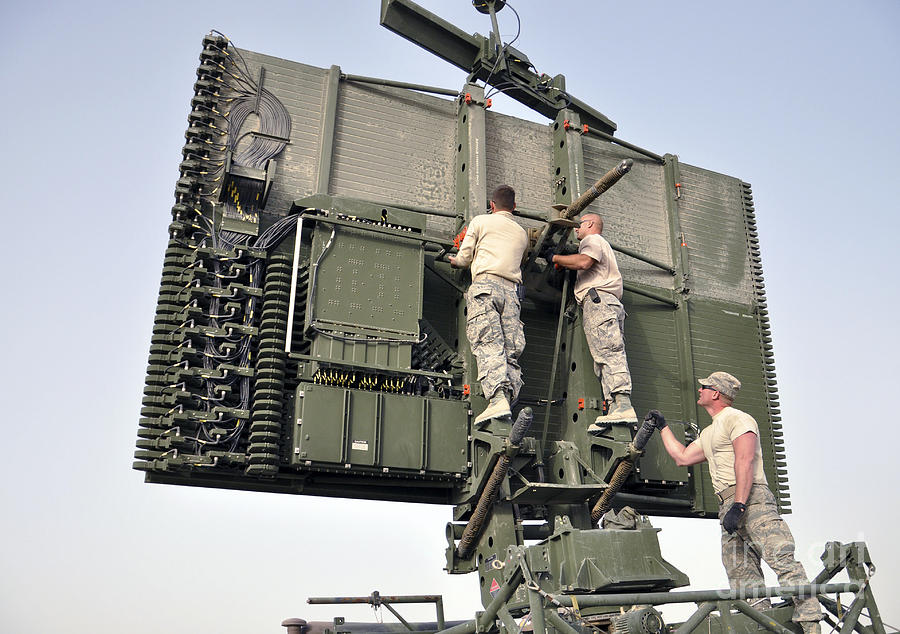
(498, 407)
(620, 411)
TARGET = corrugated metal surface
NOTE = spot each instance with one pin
(725, 337)
(301, 89)
(713, 224)
(394, 145)
(518, 154)
(651, 344)
(634, 211)
(536, 361)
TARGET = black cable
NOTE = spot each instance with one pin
(502, 54)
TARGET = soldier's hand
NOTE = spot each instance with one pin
(733, 517)
(658, 419)
(548, 250)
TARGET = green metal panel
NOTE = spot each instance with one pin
(726, 338)
(355, 428)
(371, 283)
(591, 561)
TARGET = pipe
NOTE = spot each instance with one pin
(695, 596)
(557, 622)
(696, 619)
(531, 214)
(503, 595)
(399, 84)
(630, 146)
(651, 294)
(423, 598)
(761, 618)
(635, 499)
(643, 258)
(553, 365)
(482, 624)
(536, 605)
(530, 532)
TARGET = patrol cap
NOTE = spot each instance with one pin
(723, 383)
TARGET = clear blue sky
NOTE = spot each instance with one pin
(798, 98)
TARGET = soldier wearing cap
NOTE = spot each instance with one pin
(752, 529)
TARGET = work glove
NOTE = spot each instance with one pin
(548, 250)
(733, 517)
(658, 419)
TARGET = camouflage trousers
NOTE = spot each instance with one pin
(496, 335)
(604, 328)
(763, 535)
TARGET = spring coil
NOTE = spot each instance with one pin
(268, 400)
(154, 410)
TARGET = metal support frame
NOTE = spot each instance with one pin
(390, 83)
(326, 129)
(489, 60)
(471, 197)
(853, 557)
(689, 411)
(377, 600)
(553, 366)
(634, 148)
(545, 608)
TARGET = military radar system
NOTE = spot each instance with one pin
(309, 336)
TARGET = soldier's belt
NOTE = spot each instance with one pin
(490, 277)
(728, 492)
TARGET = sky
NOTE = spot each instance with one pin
(800, 99)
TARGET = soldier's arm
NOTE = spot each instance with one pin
(463, 259)
(576, 262)
(683, 456)
(744, 455)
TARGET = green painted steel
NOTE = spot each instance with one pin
(391, 433)
(602, 561)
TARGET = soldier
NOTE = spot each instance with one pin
(598, 290)
(493, 247)
(752, 529)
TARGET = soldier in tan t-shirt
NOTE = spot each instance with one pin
(493, 248)
(598, 290)
(752, 529)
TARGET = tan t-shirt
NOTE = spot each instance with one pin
(494, 243)
(604, 274)
(716, 443)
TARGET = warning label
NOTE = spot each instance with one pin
(495, 587)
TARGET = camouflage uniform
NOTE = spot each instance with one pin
(604, 328)
(495, 334)
(762, 534)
